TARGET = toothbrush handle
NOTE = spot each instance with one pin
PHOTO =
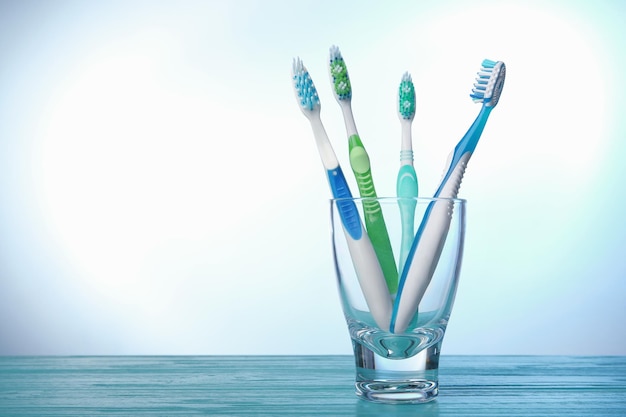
(423, 263)
(407, 190)
(431, 235)
(426, 248)
(374, 221)
(364, 259)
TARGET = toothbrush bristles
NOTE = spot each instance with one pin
(339, 74)
(304, 87)
(406, 97)
(489, 81)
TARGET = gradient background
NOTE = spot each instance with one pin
(161, 193)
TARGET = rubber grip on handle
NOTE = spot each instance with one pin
(347, 209)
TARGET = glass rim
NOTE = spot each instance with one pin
(391, 199)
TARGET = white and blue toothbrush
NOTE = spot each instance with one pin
(430, 237)
(368, 270)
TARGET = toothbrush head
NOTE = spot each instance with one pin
(489, 83)
(306, 94)
(406, 98)
(339, 75)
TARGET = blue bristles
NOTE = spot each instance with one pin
(304, 86)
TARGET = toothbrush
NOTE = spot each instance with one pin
(368, 270)
(360, 163)
(431, 234)
(406, 185)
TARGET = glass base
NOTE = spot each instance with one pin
(398, 392)
(411, 380)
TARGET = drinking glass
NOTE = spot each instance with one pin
(397, 322)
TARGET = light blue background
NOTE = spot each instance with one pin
(161, 193)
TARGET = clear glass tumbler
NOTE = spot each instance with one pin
(397, 264)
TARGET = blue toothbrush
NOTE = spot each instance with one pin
(430, 237)
(368, 270)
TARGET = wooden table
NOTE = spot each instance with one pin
(302, 385)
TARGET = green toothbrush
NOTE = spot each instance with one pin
(360, 163)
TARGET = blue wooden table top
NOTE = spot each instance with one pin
(301, 386)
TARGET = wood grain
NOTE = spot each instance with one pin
(302, 385)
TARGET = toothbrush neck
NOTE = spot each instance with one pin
(325, 149)
(348, 117)
(407, 140)
(470, 140)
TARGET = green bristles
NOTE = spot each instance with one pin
(339, 73)
(406, 97)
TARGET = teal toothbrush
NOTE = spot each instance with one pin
(360, 163)
(406, 185)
